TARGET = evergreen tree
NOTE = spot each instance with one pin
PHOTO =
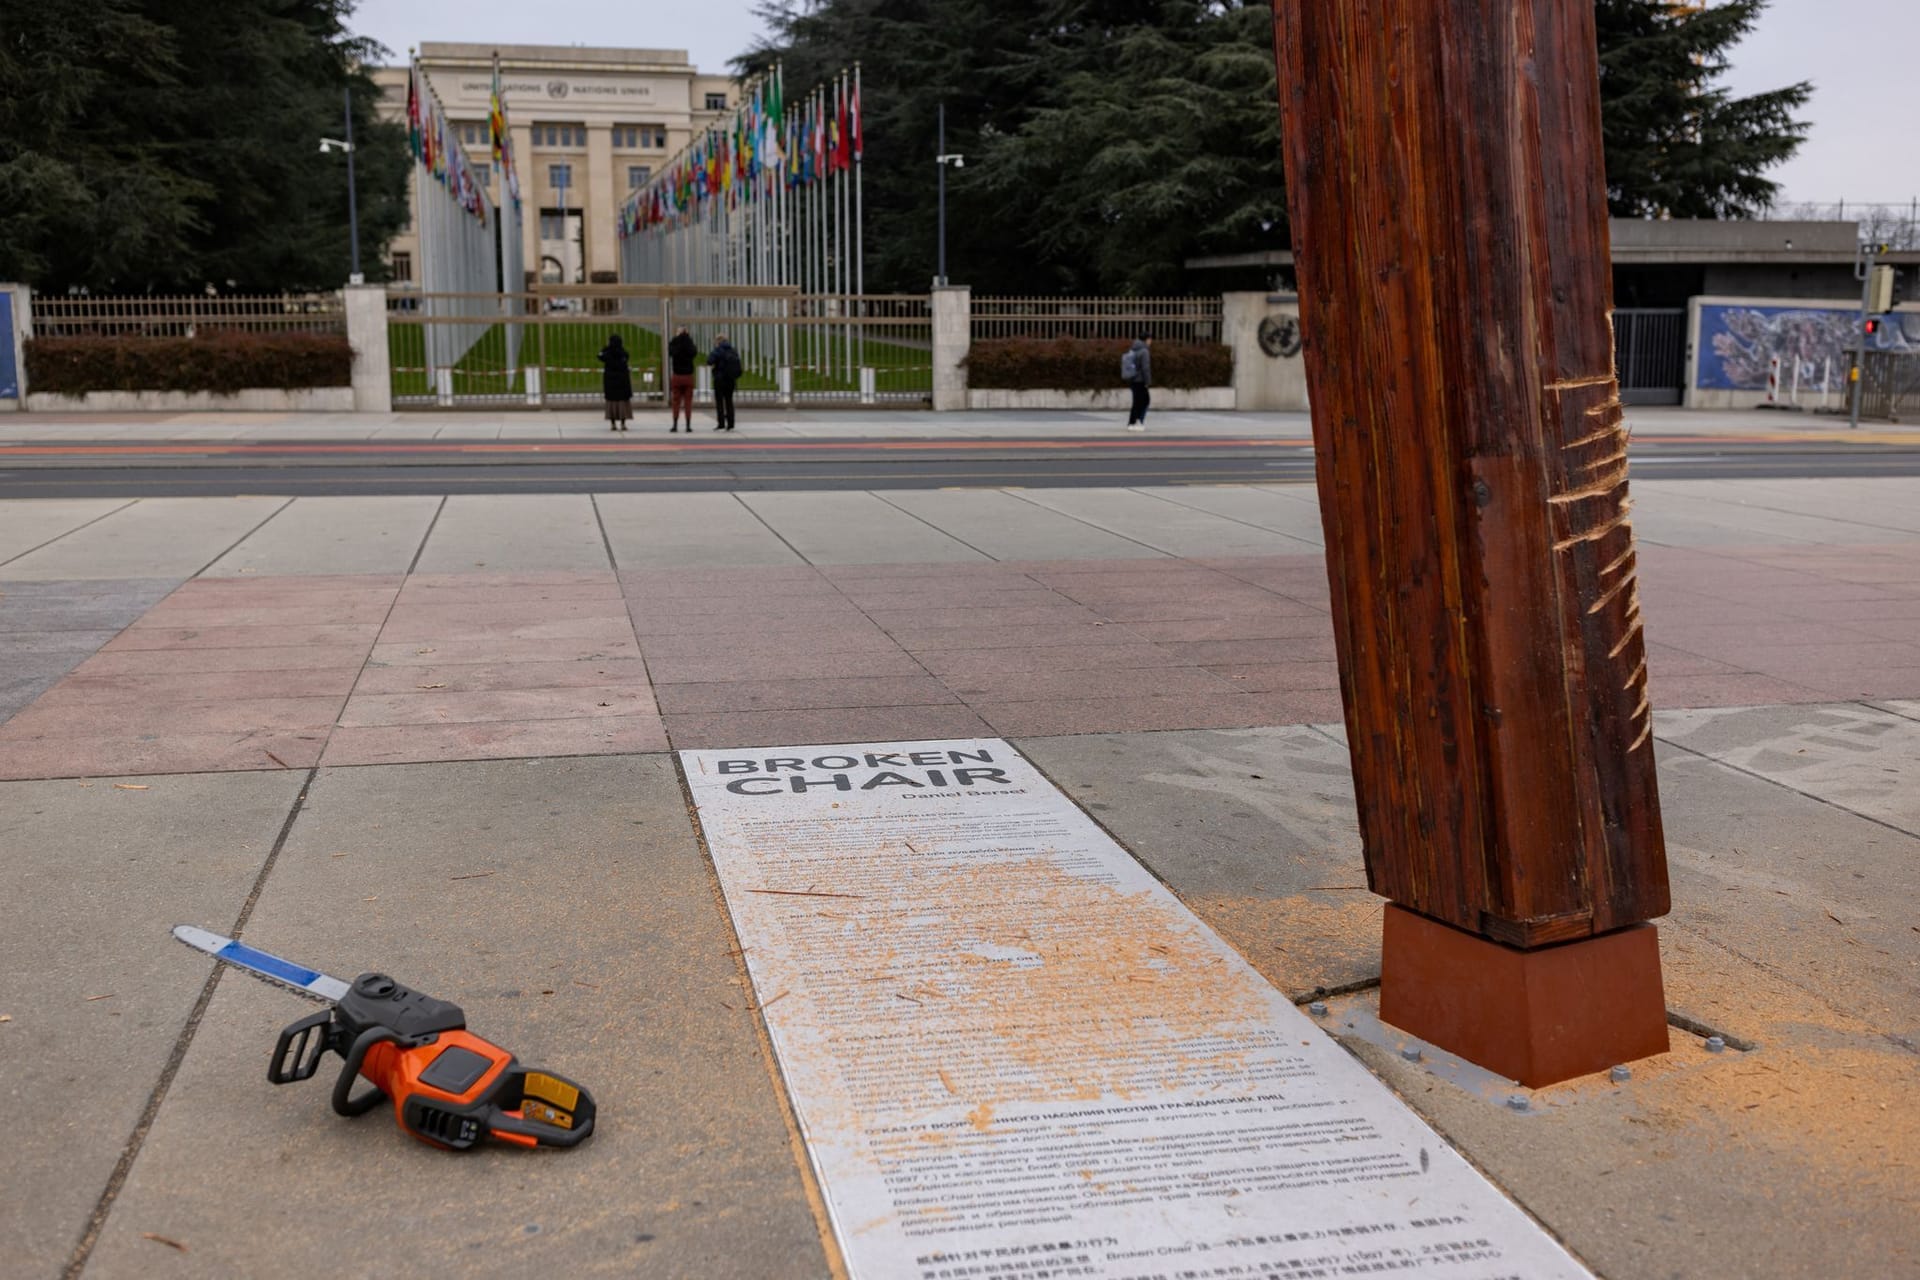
(174, 144)
(1677, 145)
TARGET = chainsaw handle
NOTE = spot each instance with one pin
(343, 1102)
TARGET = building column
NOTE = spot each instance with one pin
(1448, 205)
(366, 307)
(598, 185)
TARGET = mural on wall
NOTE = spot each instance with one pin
(1738, 342)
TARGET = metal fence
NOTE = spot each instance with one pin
(186, 316)
(1890, 386)
(1170, 319)
(542, 349)
(1650, 354)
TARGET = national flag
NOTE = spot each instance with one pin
(413, 111)
(834, 136)
(859, 144)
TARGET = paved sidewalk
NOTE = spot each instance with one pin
(769, 424)
(429, 735)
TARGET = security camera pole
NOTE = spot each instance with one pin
(1449, 213)
(942, 160)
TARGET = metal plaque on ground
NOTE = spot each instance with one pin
(1015, 1055)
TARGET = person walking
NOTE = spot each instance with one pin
(1136, 369)
(681, 353)
(725, 363)
(616, 383)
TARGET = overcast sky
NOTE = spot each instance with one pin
(1857, 53)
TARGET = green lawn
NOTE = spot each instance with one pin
(572, 365)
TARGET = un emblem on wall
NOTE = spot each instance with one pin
(556, 88)
(1280, 335)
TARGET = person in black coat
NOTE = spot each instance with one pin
(681, 353)
(616, 381)
(725, 363)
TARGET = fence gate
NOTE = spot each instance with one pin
(1890, 386)
(1650, 354)
(541, 349)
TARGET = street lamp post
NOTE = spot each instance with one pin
(941, 159)
(353, 195)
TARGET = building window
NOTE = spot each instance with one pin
(559, 175)
(633, 137)
(559, 135)
(402, 268)
(552, 227)
(474, 134)
(716, 102)
(637, 175)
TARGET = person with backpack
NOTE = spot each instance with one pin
(616, 383)
(1136, 370)
(681, 353)
(725, 363)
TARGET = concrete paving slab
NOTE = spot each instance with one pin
(1164, 525)
(151, 538)
(1008, 527)
(1253, 828)
(96, 993)
(1859, 758)
(599, 949)
(28, 523)
(334, 535)
(685, 530)
(855, 528)
(1263, 507)
(509, 532)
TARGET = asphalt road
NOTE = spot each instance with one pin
(212, 469)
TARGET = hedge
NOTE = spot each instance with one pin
(220, 362)
(1091, 364)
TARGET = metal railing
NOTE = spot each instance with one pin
(1171, 319)
(1895, 225)
(542, 349)
(1890, 386)
(185, 316)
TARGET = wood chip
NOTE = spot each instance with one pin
(947, 1080)
(777, 999)
(168, 1241)
(429, 649)
(277, 760)
(131, 786)
(1836, 919)
(477, 875)
(107, 996)
(805, 893)
(6, 1017)
(441, 685)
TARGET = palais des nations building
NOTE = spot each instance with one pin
(588, 125)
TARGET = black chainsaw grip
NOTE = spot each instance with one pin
(343, 1102)
(296, 1055)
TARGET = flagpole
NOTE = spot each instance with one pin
(859, 255)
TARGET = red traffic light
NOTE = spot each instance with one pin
(1871, 327)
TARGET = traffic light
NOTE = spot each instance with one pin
(1880, 289)
(1898, 292)
(1870, 326)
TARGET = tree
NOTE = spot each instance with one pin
(1677, 145)
(173, 144)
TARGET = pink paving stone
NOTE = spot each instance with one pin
(948, 663)
(785, 666)
(802, 695)
(844, 573)
(1239, 626)
(271, 658)
(858, 724)
(445, 707)
(650, 621)
(502, 675)
(744, 604)
(501, 649)
(98, 757)
(1062, 614)
(250, 614)
(1743, 690)
(495, 740)
(1270, 677)
(418, 595)
(1906, 630)
(1214, 653)
(1894, 608)
(1791, 661)
(53, 716)
(209, 686)
(221, 637)
(530, 578)
(1664, 661)
(1079, 635)
(596, 630)
(1896, 682)
(933, 592)
(1707, 638)
(747, 639)
(1053, 686)
(1130, 715)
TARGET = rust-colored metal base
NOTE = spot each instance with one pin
(1538, 1016)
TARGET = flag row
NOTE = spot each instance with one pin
(436, 146)
(766, 144)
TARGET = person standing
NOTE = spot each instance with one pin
(725, 363)
(616, 382)
(1136, 368)
(681, 353)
